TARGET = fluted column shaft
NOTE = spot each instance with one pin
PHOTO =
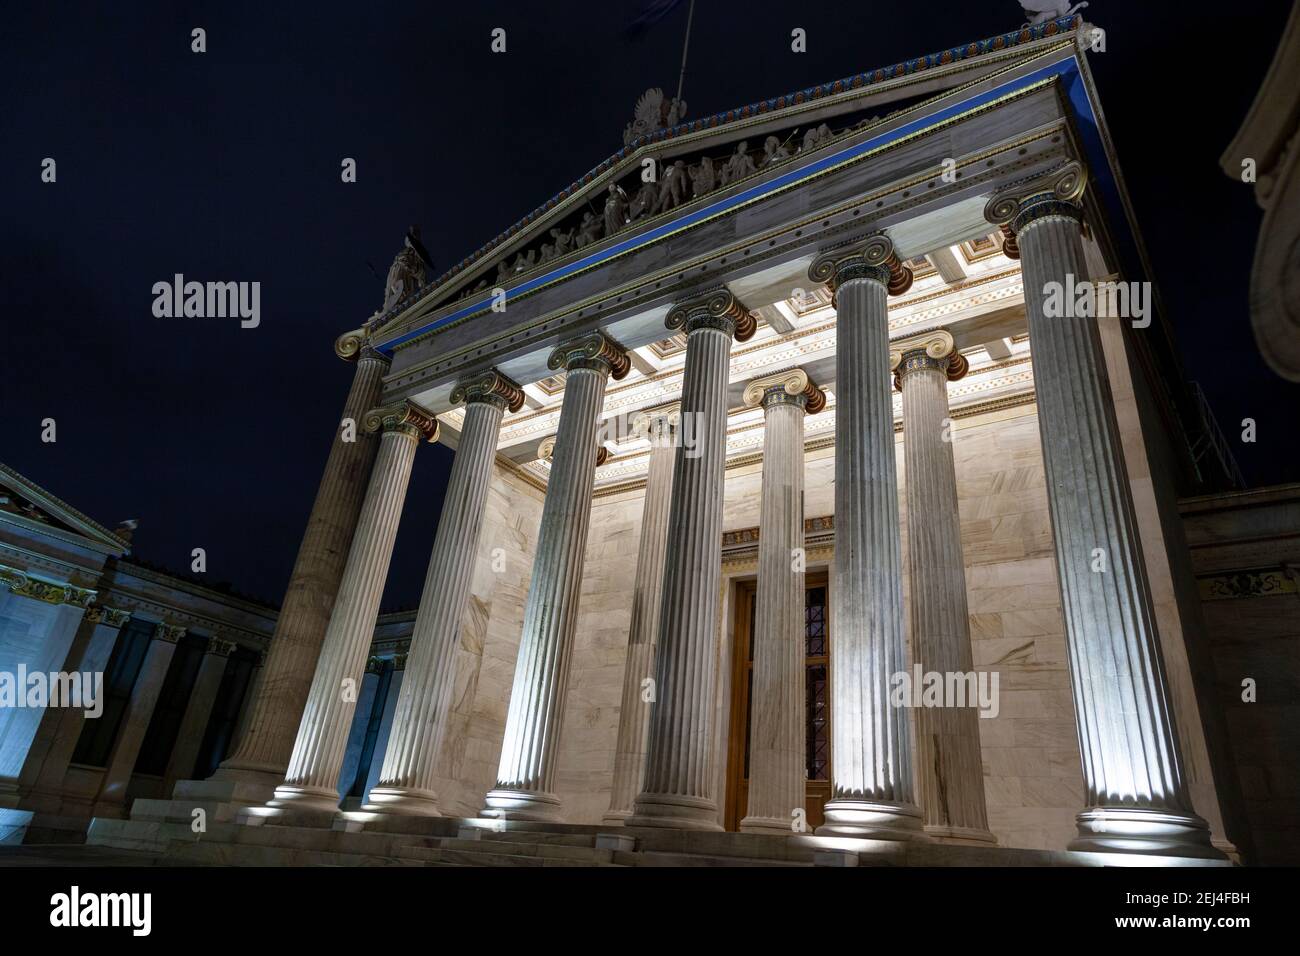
(203, 695)
(263, 751)
(677, 786)
(525, 775)
(871, 761)
(951, 774)
(406, 781)
(135, 722)
(647, 593)
(311, 781)
(777, 771)
(1132, 763)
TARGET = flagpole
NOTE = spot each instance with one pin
(686, 45)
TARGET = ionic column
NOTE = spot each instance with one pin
(948, 737)
(312, 778)
(661, 427)
(199, 708)
(139, 711)
(262, 754)
(871, 761)
(524, 788)
(677, 787)
(777, 768)
(106, 625)
(406, 780)
(1137, 799)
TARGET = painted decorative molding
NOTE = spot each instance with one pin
(405, 417)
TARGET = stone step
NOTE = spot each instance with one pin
(523, 836)
(479, 857)
(549, 851)
(227, 854)
(656, 858)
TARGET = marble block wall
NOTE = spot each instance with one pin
(1033, 783)
(489, 643)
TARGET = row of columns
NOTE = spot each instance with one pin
(664, 774)
(57, 730)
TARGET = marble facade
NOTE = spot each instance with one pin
(974, 548)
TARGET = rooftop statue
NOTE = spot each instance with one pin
(654, 111)
(1040, 11)
(406, 274)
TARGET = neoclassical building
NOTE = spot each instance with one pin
(791, 518)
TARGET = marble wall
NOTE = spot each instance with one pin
(489, 643)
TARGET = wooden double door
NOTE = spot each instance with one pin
(817, 702)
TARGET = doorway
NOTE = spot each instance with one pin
(817, 704)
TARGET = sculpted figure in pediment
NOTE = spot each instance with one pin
(815, 137)
(589, 231)
(615, 209)
(739, 165)
(672, 184)
(703, 178)
(773, 151)
(641, 202)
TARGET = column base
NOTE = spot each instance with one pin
(235, 789)
(966, 836)
(402, 802)
(873, 820)
(615, 818)
(528, 805)
(770, 826)
(315, 799)
(675, 812)
(1144, 831)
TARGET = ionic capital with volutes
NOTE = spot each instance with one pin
(1055, 195)
(714, 309)
(873, 259)
(593, 351)
(791, 387)
(491, 387)
(404, 417)
(930, 350)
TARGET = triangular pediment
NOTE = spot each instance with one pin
(575, 221)
(27, 503)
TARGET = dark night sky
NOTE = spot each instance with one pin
(225, 166)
